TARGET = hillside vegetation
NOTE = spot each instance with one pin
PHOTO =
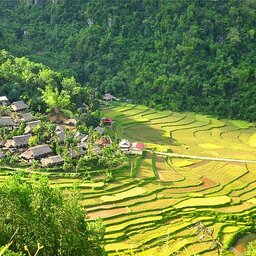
(43, 88)
(182, 55)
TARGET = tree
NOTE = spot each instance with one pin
(55, 100)
(43, 215)
(33, 141)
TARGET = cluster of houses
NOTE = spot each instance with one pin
(127, 147)
(19, 112)
(135, 148)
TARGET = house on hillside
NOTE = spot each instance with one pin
(3, 101)
(59, 128)
(104, 142)
(7, 122)
(31, 125)
(108, 97)
(79, 135)
(85, 138)
(26, 117)
(70, 122)
(36, 152)
(107, 121)
(100, 130)
(136, 148)
(125, 145)
(61, 136)
(76, 152)
(83, 141)
(96, 150)
(18, 141)
(19, 106)
(52, 161)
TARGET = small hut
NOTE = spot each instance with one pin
(52, 161)
(19, 106)
(36, 152)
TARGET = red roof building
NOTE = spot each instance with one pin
(104, 142)
(107, 121)
(136, 148)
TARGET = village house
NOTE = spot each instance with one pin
(7, 122)
(52, 161)
(59, 128)
(76, 152)
(70, 122)
(107, 121)
(61, 136)
(4, 100)
(100, 130)
(124, 145)
(96, 150)
(18, 141)
(83, 141)
(108, 97)
(31, 125)
(36, 152)
(83, 145)
(85, 138)
(136, 148)
(81, 137)
(104, 142)
(26, 117)
(19, 106)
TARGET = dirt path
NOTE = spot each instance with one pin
(204, 157)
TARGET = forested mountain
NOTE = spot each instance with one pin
(196, 55)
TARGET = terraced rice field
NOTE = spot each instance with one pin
(177, 193)
(155, 211)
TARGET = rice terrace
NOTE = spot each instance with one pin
(165, 203)
(157, 212)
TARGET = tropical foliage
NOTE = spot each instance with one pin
(36, 213)
(182, 55)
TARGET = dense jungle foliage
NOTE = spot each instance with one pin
(191, 55)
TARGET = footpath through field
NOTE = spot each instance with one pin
(203, 157)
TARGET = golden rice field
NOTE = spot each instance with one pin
(154, 213)
(157, 216)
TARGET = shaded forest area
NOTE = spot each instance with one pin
(182, 55)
